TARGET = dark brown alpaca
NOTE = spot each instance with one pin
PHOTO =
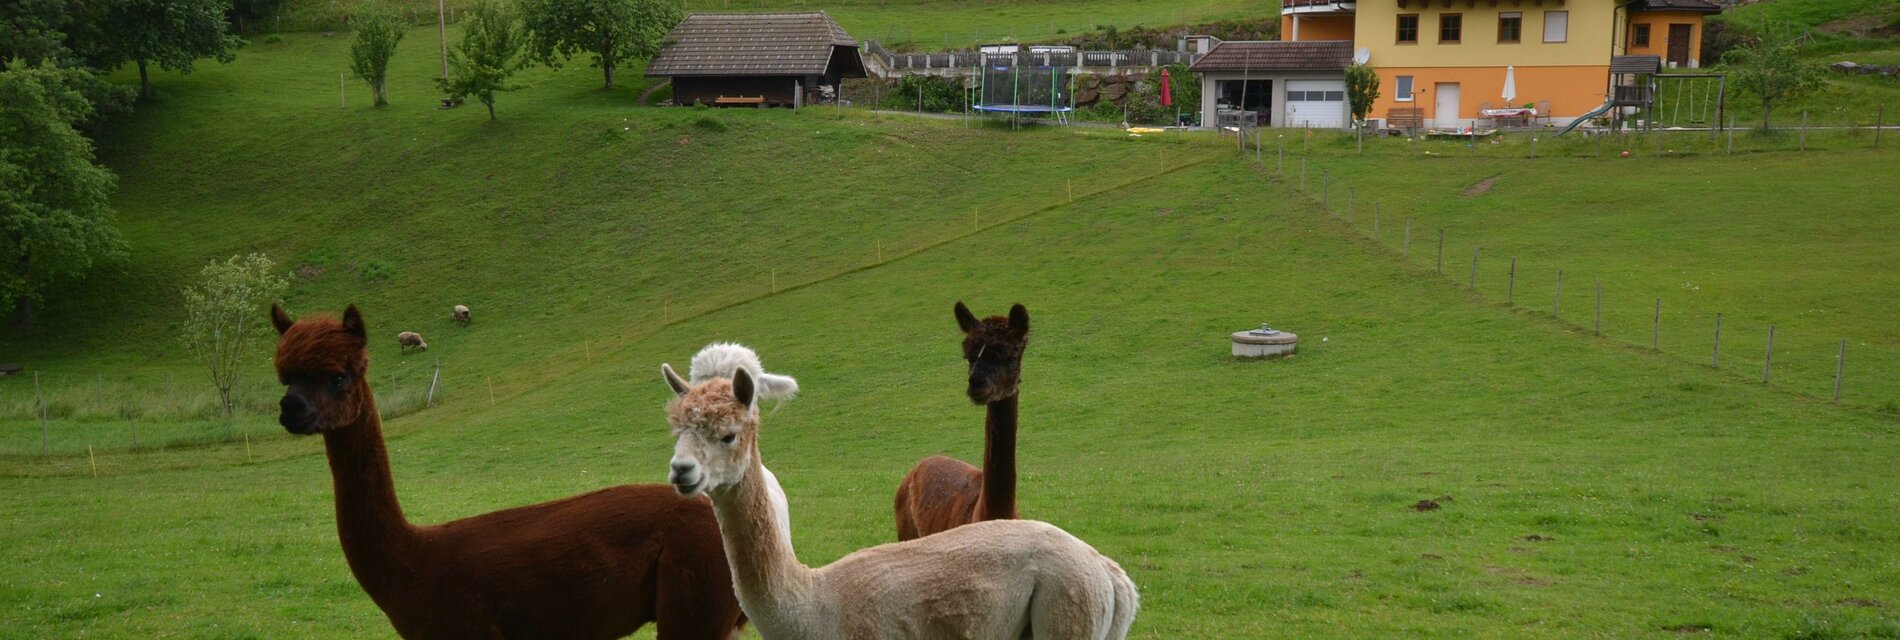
(942, 493)
(597, 565)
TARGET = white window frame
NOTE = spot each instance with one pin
(1563, 34)
(1402, 88)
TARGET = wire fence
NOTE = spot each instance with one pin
(60, 413)
(1837, 368)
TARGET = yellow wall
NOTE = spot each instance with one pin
(1571, 90)
(1659, 22)
(1318, 27)
(1589, 41)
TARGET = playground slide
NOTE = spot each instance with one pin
(1607, 106)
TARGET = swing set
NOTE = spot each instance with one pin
(1698, 100)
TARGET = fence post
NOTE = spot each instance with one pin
(433, 380)
(1715, 357)
(1840, 366)
(1280, 165)
(1880, 122)
(40, 404)
(1768, 359)
(1533, 147)
(1655, 331)
(1302, 175)
(1804, 130)
(1441, 250)
(1557, 303)
(1375, 219)
(1599, 327)
(1510, 289)
(1473, 284)
(1352, 200)
(1731, 135)
(1325, 187)
(1406, 250)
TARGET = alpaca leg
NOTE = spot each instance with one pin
(1072, 607)
(906, 524)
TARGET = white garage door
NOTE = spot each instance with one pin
(1320, 104)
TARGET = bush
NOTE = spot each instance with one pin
(938, 94)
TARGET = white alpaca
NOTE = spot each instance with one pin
(1000, 579)
(720, 360)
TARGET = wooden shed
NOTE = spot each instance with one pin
(764, 59)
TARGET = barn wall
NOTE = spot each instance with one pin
(776, 89)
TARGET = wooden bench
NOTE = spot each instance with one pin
(740, 100)
(1407, 118)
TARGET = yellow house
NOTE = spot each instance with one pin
(1446, 60)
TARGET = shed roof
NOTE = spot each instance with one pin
(754, 44)
(1636, 64)
(1309, 55)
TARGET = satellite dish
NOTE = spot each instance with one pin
(1362, 56)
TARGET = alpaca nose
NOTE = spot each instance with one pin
(291, 404)
(681, 469)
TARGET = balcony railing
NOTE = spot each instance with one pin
(1320, 5)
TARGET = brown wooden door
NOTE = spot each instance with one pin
(1679, 36)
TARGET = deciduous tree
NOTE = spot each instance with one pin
(490, 51)
(1362, 90)
(55, 221)
(610, 30)
(373, 42)
(174, 34)
(1770, 67)
(224, 318)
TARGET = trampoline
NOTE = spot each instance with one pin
(1012, 84)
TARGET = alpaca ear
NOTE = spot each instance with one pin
(280, 319)
(1019, 319)
(674, 380)
(772, 385)
(353, 323)
(742, 389)
(965, 320)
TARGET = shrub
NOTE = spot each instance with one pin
(937, 94)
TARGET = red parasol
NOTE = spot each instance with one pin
(1167, 90)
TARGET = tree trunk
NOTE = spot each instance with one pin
(145, 82)
(488, 98)
(377, 91)
(26, 312)
(1767, 107)
(607, 65)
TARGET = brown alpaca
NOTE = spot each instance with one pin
(596, 565)
(943, 493)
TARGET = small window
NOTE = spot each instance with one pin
(1335, 96)
(1408, 29)
(1556, 26)
(1296, 96)
(1510, 28)
(1451, 28)
(1402, 89)
(1641, 38)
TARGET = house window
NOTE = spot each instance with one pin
(1451, 28)
(1556, 26)
(1402, 87)
(1641, 38)
(1510, 28)
(1408, 29)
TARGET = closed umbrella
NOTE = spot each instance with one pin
(1167, 94)
(1510, 85)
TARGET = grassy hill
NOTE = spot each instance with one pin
(1587, 488)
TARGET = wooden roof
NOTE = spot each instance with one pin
(1301, 55)
(755, 44)
(1636, 64)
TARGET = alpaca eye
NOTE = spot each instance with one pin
(729, 439)
(337, 381)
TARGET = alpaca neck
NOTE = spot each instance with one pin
(369, 519)
(766, 575)
(999, 460)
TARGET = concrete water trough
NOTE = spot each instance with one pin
(1264, 342)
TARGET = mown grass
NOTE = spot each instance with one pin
(1781, 238)
(923, 24)
(1587, 490)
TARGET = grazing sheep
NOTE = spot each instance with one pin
(461, 314)
(408, 339)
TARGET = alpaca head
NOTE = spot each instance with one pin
(322, 362)
(715, 425)
(994, 348)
